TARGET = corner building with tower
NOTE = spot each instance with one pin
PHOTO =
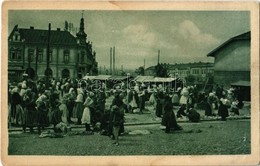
(69, 56)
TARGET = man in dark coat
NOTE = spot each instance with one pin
(117, 101)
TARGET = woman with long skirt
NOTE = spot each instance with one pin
(88, 104)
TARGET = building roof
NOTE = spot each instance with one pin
(32, 35)
(244, 36)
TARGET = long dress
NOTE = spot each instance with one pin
(64, 110)
(30, 112)
(78, 109)
(86, 112)
(169, 119)
(184, 96)
(223, 109)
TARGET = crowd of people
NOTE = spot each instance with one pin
(33, 104)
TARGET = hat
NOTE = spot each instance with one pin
(91, 94)
(79, 90)
(24, 85)
(71, 89)
(211, 94)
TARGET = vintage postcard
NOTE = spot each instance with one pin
(130, 83)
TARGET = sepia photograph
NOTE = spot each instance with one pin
(133, 81)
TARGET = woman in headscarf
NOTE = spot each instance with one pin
(78, 108)
(183, 102)
(42, 111)
(86, 116)
(30, 111)
(223, 107)
(16, 102)
(64, 110)
(71, 96)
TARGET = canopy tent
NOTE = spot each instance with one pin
(89, 77)
(102, 77)
(118, 78)
(161, 79)
(244, 89)
(143, 78)
(152, 79)
(241, 83)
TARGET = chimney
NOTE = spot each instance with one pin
(114, 59)
(31, 27)
(158, 56)
(110, 60)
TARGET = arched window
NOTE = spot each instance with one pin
(65, 73)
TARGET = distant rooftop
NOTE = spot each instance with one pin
(185, 65)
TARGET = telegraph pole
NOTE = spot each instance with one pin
(48, 70)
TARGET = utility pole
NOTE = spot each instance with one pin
(48, 70)
(36, 62)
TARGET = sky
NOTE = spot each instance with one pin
(181, 36)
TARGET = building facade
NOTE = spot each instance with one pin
(199, 70)
(69, 56)
(232, 60)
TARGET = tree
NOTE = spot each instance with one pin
(160, 70)
(140, 71)
(191, 79)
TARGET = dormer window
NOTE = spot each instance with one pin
(16, 36)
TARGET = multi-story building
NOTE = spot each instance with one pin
(198, 69)
(69, 56)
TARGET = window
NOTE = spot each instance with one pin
(66, 56)
(82, 56)
(19, 54)
(195, 71)
(30, 55)
(40, 55)
(12, 54)
(50, 53)
(15, 54)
